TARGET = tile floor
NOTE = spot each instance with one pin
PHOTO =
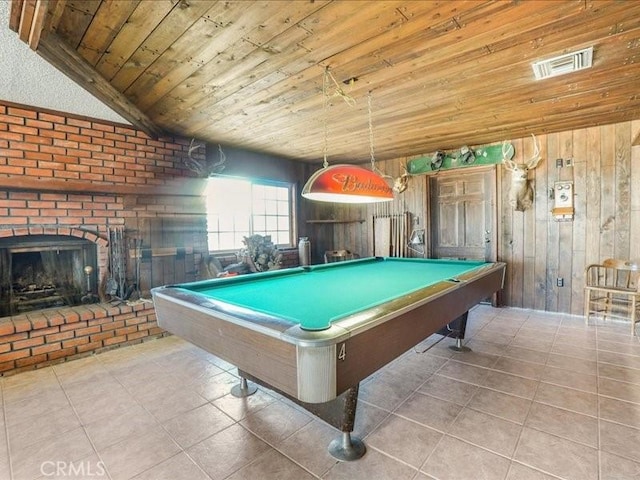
(541, 396)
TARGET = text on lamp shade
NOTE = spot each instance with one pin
(351, 183)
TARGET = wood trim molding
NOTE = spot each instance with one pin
(53, 49)
(15, 14)
(189, 187)
(27, 18)
(37, 24)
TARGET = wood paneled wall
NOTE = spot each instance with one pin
(537, 248)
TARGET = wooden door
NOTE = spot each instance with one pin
(462, 214)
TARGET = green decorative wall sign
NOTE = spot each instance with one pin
(465, 157)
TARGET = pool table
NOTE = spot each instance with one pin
(313, 333)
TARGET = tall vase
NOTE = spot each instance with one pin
(304, 251)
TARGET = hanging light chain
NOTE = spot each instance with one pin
(325, 81)
(339, 92)
(373, 159)
(348, 99)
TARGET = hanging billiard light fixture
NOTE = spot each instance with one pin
(346, 183)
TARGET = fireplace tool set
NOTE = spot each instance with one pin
(117, 286)
(89, 297)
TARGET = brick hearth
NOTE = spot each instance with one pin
(54, 335)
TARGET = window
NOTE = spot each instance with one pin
(238, 207)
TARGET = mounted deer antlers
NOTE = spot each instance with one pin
(200, 165)
(401, 183)
(197, 165)
(521, 191)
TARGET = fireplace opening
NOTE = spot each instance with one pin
(44, 271)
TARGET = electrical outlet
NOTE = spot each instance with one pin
(560, 282)
(568, 162)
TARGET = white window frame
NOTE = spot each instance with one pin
(214, 210)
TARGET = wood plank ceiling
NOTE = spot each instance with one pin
(442, 74)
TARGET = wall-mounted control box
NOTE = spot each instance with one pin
(563, 201)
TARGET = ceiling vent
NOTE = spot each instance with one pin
(567, 63)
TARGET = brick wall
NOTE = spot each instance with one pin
(60, 173)
(58, 334)
(46, 145)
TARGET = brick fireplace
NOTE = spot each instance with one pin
(53, 269)
(65, 183)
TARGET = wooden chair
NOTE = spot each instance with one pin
(331, 256)
(612, 289)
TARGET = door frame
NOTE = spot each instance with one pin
(495, 206)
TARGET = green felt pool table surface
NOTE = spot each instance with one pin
(321, 294)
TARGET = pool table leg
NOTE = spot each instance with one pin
(346, 447)
(456, 329)
(461, 324)
(339, 413)
(243, 389)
